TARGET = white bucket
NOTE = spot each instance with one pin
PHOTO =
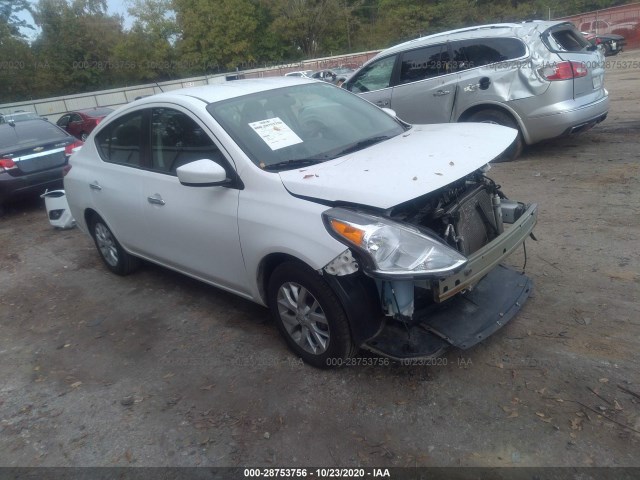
(58, 209)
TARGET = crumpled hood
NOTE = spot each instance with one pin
(425, 158)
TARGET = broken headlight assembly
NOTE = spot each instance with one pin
(390, 249)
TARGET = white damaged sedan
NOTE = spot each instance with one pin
(356, 229)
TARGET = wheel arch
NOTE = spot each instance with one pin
(464, 116)
(356, 293)
(89, 215)
(266, 267)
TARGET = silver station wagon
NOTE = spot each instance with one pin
(542, 78)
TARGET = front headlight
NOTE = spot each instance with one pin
(390, 248)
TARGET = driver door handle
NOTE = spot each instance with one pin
(156, 199)
(441, 93)
(382, 103)
(95, 186)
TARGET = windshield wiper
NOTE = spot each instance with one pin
(294, 163)
(362, 144)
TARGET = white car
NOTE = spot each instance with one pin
(357, 230)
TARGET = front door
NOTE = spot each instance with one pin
(194, 229)
(373, 82)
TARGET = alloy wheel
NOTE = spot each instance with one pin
(303, 318)
(106, 244)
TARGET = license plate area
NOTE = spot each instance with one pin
(597, 82)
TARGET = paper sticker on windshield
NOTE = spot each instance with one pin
(275, 133)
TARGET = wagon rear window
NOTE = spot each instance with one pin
(566, 39)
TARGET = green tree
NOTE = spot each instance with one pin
(216, 34)
(74, 48)
(308, 25)
(16, 73)
(146, 52)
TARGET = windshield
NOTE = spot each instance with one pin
(301, 124)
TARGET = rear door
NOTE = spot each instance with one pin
(488, 68)
(115, 183)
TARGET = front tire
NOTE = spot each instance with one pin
(110, 250)
(309, 316)
(500, 118)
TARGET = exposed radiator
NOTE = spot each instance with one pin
(474, 220)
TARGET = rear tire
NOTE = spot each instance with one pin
(501, 118)
(110, 250)
(309, 316)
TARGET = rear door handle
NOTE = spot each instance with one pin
(382, 103)
(441, 93)
(155, 199)
(95, 186)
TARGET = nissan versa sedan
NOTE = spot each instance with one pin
(542, 78)
(33, 154)
(356, 229)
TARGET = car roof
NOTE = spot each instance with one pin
(223, 91)
(89, 111)
(479, 31)
(98, 110)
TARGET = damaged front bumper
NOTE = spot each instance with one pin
(462, 322)
(485, 259)
(464, 308)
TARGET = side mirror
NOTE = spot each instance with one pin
(390, 112)
(202, 173)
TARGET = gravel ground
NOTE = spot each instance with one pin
(156, 369)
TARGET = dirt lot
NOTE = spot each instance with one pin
(157, 369)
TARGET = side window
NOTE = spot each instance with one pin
(423, 63)
(374, 76)
(64, 121)
(76, 118)
(176, 139)
(121, 141)
(485, 51)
